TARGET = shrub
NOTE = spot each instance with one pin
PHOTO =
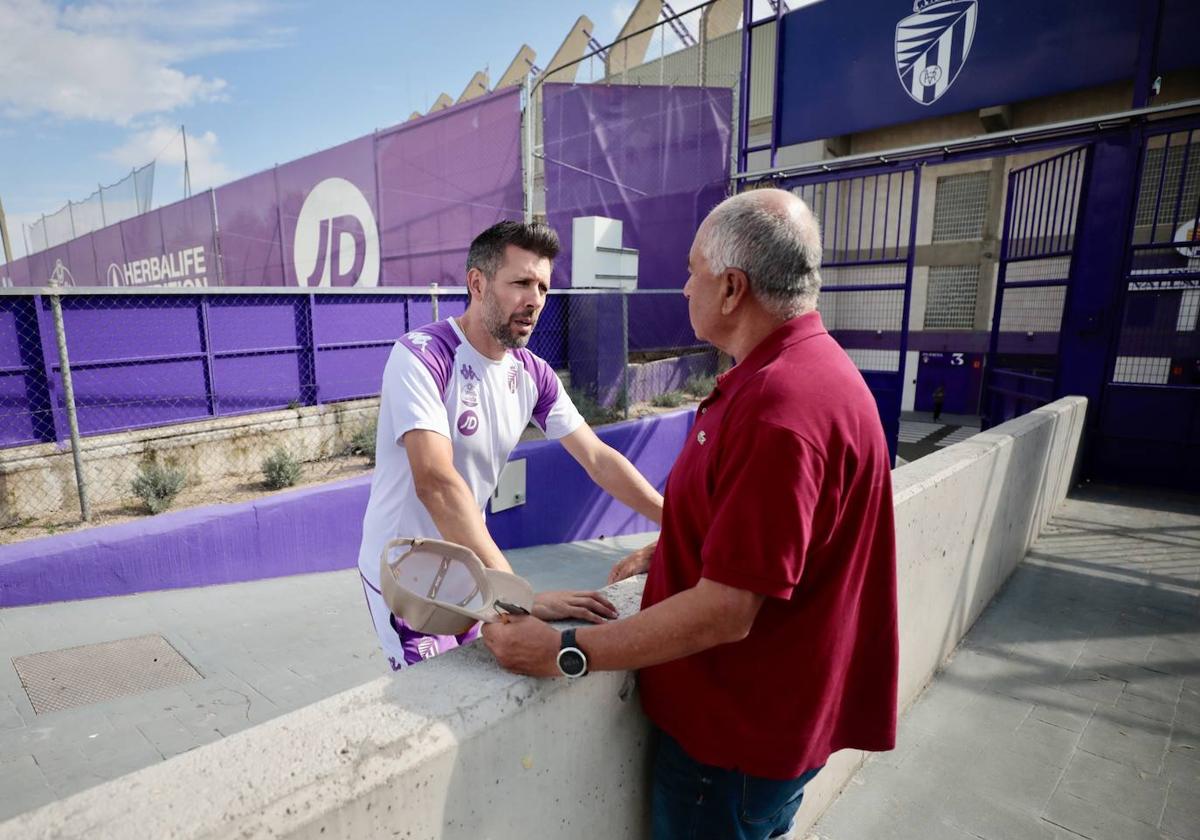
(700, 385)
(157, 485)
(363, 443)
(280, 469)
(670, 399)
(593, 412)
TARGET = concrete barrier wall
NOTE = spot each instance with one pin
(458, 748)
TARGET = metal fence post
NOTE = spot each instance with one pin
(625, 351)
(60, 334)
(527, 150)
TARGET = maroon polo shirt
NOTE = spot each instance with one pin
(783, 488)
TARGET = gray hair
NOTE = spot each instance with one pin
(779, 249)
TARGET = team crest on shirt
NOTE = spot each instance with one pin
(470, 395)
(932, 46)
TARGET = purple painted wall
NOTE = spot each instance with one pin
(318, 529)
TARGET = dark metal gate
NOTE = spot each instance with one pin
(868, 226)
(1033, 286)
(1149, 430)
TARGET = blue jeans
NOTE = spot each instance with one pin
(693, 801)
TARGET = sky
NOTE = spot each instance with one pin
(90, 89)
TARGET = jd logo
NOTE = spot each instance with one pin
(468, 422)
(336, 242)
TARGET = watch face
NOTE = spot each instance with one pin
(571, 662)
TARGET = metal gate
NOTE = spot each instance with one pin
(1149, 429)
(1032, 289)
(868, 227)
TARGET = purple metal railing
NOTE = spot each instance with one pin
(1040, 215)
(867, 314)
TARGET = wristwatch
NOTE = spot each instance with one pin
(572, 661)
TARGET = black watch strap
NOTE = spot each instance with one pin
(572, 661)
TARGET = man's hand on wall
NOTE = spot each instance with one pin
(585, 606)
(635, 564)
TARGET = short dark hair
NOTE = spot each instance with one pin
(487, 249)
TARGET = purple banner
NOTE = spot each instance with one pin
(248, 216)
(846, 68)
(329, 211)
(442, 180)
(656, 158)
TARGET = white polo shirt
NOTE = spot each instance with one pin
(435, 380)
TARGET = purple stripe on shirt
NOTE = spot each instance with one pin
(546, 382)
(434, 344)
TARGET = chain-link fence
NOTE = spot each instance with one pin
(174, 399)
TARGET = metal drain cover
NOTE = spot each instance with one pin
(78, 676)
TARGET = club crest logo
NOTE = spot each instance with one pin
(470, 395)
(1188, 236)
(932, 46)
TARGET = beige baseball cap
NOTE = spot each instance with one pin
(443, 588)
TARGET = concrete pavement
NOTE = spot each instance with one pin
(263, 648)
(1072, 709)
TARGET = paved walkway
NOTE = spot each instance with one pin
(921, 435)
(1072, 709)
(263, 649)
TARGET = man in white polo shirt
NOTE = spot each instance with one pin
(456, 396)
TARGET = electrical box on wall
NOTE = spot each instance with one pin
(510, 489)
(597, 258)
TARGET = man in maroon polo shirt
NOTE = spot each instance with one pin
(767, 637)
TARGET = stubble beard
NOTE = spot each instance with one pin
(499, 325)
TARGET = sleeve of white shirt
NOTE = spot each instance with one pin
(410, 395)
(563, 418)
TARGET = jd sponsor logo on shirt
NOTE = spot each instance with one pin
(336, 241)
(468, 423)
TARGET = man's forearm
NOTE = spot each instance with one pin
(621, 480)
(458, 520)
(693, 620)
